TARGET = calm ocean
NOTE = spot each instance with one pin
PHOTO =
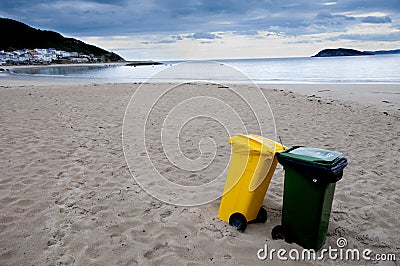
(377, 69)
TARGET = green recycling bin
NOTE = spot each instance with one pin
(309, 186)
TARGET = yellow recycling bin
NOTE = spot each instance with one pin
(251, 168)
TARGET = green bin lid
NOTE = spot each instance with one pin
(318, 165)
(312, 155)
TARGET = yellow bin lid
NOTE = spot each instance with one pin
(254, 143)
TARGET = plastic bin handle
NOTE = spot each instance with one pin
(270, 144)
(252, 138)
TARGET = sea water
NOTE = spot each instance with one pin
(376, 69)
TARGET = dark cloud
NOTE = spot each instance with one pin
(376, 20)
(168, 39)
(328, 16)
(328, 22)
(204, 35)
(168, 17)
(361, 6)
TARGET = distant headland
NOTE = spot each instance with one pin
(22, 44)
(351, 52)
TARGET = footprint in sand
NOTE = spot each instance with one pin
(212, 233)
(166, 214)
(157, 251)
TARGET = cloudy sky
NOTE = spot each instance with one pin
(216, 29)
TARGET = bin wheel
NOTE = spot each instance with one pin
(262, 216)
(239, 221)
(279, 232)
(282, 232)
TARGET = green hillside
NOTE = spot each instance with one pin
(17, 35)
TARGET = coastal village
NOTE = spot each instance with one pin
(44, 56)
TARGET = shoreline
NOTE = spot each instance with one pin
(124, 63)
(63, 65)
(384, 97)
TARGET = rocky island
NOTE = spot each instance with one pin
(341, 52)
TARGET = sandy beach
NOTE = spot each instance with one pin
(67, 196)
